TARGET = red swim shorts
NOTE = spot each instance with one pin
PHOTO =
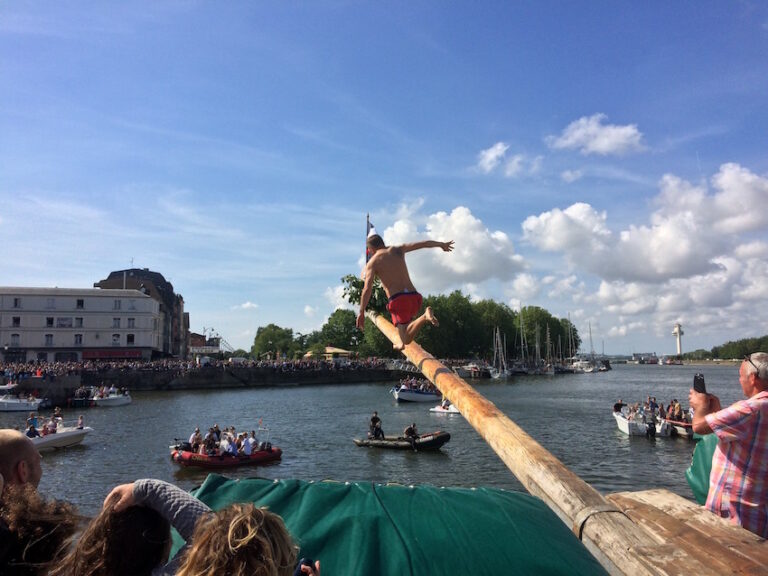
(403, 306)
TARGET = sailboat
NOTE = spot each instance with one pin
(499, 368)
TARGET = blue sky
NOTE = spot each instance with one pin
(607, 160)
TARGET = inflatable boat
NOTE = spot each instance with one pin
(267, 453)
(431, 441)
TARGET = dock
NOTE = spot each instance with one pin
(653, 532)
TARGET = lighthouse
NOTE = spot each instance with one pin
(678, 332)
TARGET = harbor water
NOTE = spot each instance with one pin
(570, 415)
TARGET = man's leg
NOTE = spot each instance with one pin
(414, 327)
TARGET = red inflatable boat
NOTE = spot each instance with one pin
(187, 458)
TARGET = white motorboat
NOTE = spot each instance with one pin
(112, 400)
(64, 437)
(440, 409)
(638, 427)
(405, 394)
(10, 403)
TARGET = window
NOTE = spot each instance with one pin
(49, 339)
(49, 322)
(78, 322)
(17, 302)
(16, 321)
(115, 322)
(64, 322)
(115, 339)
(131, 322)
(15, 340)
(129, 339)
(50, 303)
(116, 305)
(78, 339)
(80, 304)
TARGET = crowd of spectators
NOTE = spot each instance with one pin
(14, 372)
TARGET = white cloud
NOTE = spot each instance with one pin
(246, 306)
(310, 311)
(570, 176)
(488, 159)
(525, 287)
(479, 253)
(590, 136)
(335, 297)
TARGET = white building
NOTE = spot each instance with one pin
(69, 324)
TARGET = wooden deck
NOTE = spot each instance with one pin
(691, 540)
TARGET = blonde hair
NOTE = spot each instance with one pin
(240, 540)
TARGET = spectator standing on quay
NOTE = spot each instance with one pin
(737, 486)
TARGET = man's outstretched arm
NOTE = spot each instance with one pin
(446, 246)
(365, 297)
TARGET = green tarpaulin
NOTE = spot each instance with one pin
(701, 464)
(363, 528)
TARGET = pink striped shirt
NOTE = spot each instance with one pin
(738, 482)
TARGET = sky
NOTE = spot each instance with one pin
(603, 160)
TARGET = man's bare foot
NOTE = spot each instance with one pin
(398, 346)
(431, 318)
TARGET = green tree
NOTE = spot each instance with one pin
(273, 339)
(340, 330)
(353, 291)
(494, 315)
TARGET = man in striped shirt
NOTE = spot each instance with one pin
(738, 482)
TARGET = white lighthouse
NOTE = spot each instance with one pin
(678, 332)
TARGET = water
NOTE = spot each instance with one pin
(570, 415)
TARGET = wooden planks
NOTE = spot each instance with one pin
(696, 535)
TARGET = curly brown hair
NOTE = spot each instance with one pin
(35, 529)
(240, 540)
(131, 542)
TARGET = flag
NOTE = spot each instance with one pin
(369, 231)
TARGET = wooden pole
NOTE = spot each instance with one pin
(607, 533)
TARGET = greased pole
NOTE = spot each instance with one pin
(607, 533)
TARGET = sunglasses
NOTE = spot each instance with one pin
(748, 358)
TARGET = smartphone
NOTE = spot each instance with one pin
(698, 383)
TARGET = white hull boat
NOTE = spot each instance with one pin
(64, 437)
(404, 394)
(640, 428)
(10, 403)
(113, 400)
(451, 409)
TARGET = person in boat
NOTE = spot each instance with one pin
(32, 420)
(662, 412)
(253, 441)
(737, 487)
(32, 432)
(388, 264)
(446, 404)
(375, 430)
(246, 448)
(57, 414)
(195, 439)
(209, 444)
(619, 405)
(80, 422)
(411, 433)
(256, 540)
(217, 432)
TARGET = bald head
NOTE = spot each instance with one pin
(19, 459)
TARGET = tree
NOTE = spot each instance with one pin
(340, 330)
(353, 291)
(273, 339)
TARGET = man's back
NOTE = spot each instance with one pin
(389, 265)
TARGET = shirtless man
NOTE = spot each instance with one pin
(19, 459)
(388, 263)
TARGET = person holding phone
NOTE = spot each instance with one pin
(737, 487)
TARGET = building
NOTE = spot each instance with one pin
(174, 323)
(200, 344)
(71, 324)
